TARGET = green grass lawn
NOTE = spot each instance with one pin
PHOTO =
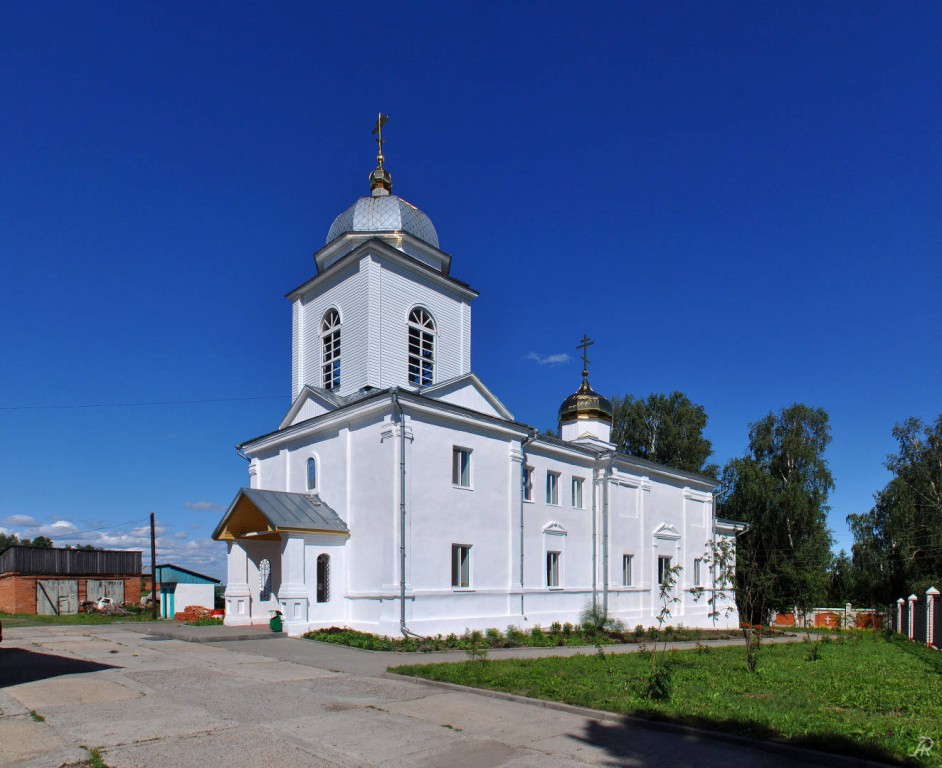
(11, 620)
(863, 696)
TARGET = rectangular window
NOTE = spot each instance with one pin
(461, 566)
(552, 569)
(626, 570)
(697, 568)
(663, 568)
(577, 493)
(461, 467)
(552, 488)
(528, 483)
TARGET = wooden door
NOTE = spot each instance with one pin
(55, 597)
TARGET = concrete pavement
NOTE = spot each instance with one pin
(150, 700)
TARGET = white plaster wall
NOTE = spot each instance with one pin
(467, 397)
(193, 594)
(358, 463)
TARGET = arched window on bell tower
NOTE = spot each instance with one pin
(330, 349)
(421, 347)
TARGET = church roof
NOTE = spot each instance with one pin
(384, 213)
(261, 513)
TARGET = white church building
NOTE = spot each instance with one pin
(399, 495)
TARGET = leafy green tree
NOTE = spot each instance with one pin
(11, 539)
(780, 488)
(898, 544)
(841, 580)
(667, 429)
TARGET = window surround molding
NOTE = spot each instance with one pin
(577, 482)
(527, 480)
(627, 569)
(421, 343)
(322, 565)
(666, 543)
(331, 341)
(461, 568)
(552, 488)
(554, 541)
(462, 475)
(308, 485)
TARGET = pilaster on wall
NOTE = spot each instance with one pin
(911, 630)
(932, 595)
(238, 596)
(293, 592)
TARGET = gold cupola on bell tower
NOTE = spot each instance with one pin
(586, 413)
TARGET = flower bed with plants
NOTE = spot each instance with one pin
(513, 637)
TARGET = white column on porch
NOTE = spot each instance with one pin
(932, 595)
(238, 595)
(293, 592)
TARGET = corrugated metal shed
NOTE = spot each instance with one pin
(168, 573)
(54, 561)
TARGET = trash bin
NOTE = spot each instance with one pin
(274, 623)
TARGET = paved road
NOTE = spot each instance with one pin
(151, 700)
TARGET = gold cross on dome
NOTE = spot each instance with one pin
(378, 133)
(584, 346)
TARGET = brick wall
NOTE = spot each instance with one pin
(18, 593)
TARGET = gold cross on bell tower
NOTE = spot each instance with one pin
(584, 346)
(380, 179)
(381, 120)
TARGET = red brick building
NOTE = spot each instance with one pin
(56, 581)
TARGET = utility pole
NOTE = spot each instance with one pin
(153, 569)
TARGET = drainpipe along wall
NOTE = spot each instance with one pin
(402, 514)
(606, 474)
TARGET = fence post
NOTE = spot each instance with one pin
(931, 594)
(911, 630)
(899, 615)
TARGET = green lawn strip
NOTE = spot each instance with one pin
(863, 697)
(11, 620)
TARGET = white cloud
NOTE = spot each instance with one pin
(202, 506)
(57, 528)
(559, 358)
(21, 520)
(180, 535)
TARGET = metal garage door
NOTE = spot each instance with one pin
(56, 596)
(113, 588)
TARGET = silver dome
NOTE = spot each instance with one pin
(384, 213)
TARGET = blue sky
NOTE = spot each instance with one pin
(738, 202)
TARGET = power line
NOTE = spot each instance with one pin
(137, 405)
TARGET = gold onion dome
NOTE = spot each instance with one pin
(586, 403)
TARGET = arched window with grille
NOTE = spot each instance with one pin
(264, 580)
(330, 349)
(421, 347)
(323, 578)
